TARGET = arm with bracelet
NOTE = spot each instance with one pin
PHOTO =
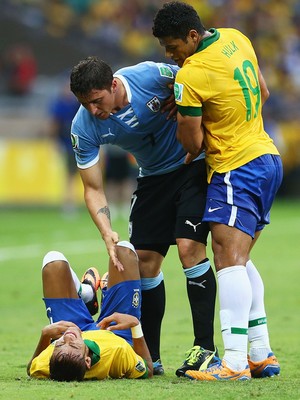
(125, 321)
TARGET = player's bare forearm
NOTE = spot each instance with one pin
(97, 205)
(126, 321)
(190, 134)
(110, 237)
(49, 332)
(101, 218)
(42, 345)
(141, 348)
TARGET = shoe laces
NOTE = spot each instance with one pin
(157, 363)
(215, 366)
(193, 355)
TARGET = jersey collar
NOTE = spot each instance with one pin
(208, 40)
(95, 350)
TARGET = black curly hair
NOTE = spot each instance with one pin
(66, 367)
(176, 19)
(90, 73)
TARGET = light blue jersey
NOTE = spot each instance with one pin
(139, 128)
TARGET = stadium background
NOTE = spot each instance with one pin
(57, 34)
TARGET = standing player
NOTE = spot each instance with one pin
(219, 92)
(124, 109)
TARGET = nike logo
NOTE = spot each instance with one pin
(49, 311)
(214, 209)
(187, 222)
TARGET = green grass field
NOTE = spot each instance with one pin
(26, 235)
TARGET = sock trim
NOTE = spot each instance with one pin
(198, 270)
(239, 331)
(151, 283)
(257, 322)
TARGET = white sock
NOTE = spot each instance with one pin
(87, 292)
(258, 330)
(235, 301)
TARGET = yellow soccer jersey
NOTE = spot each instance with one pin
(225, 63)
(117, 359)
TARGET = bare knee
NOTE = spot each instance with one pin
(54, 264)
(127, 257)
(149, 263)
(190, 252)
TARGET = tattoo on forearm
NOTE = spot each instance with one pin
(104, 210)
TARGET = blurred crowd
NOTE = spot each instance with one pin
(122, 29)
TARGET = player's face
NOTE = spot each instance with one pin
(99, 103)
(177, 49)
(70, 343)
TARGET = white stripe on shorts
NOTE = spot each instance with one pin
(229, 188)
(230, 199)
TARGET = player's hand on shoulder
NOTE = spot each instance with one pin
(170, 105)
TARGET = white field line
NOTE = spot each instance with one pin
(39, 250)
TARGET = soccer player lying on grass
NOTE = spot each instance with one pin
(74, 346)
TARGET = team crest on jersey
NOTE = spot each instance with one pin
(154, 104)
(75, 141)
(178, 90)
(136, 298)
(164, 70)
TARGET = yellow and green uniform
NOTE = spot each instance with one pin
(117, 359)
(225, 63)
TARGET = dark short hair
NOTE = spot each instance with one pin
(67, 367)
(90, 73)
(176, 19)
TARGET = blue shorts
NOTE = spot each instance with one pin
(243, 197)
(125, 297)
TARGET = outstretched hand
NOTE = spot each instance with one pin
(110, 242)
(122, 321)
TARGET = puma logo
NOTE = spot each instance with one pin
(201, 284)
(187, 222)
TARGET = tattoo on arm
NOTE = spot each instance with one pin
(104, 210)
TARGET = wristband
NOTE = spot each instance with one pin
(137, 332)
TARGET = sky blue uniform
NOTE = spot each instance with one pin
(140, 127)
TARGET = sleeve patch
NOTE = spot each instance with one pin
(178, 91)
(140, 366)
(166, 71)
(75, 141)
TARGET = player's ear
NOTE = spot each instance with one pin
(88, 362)
(194, 35)
(114, 85)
